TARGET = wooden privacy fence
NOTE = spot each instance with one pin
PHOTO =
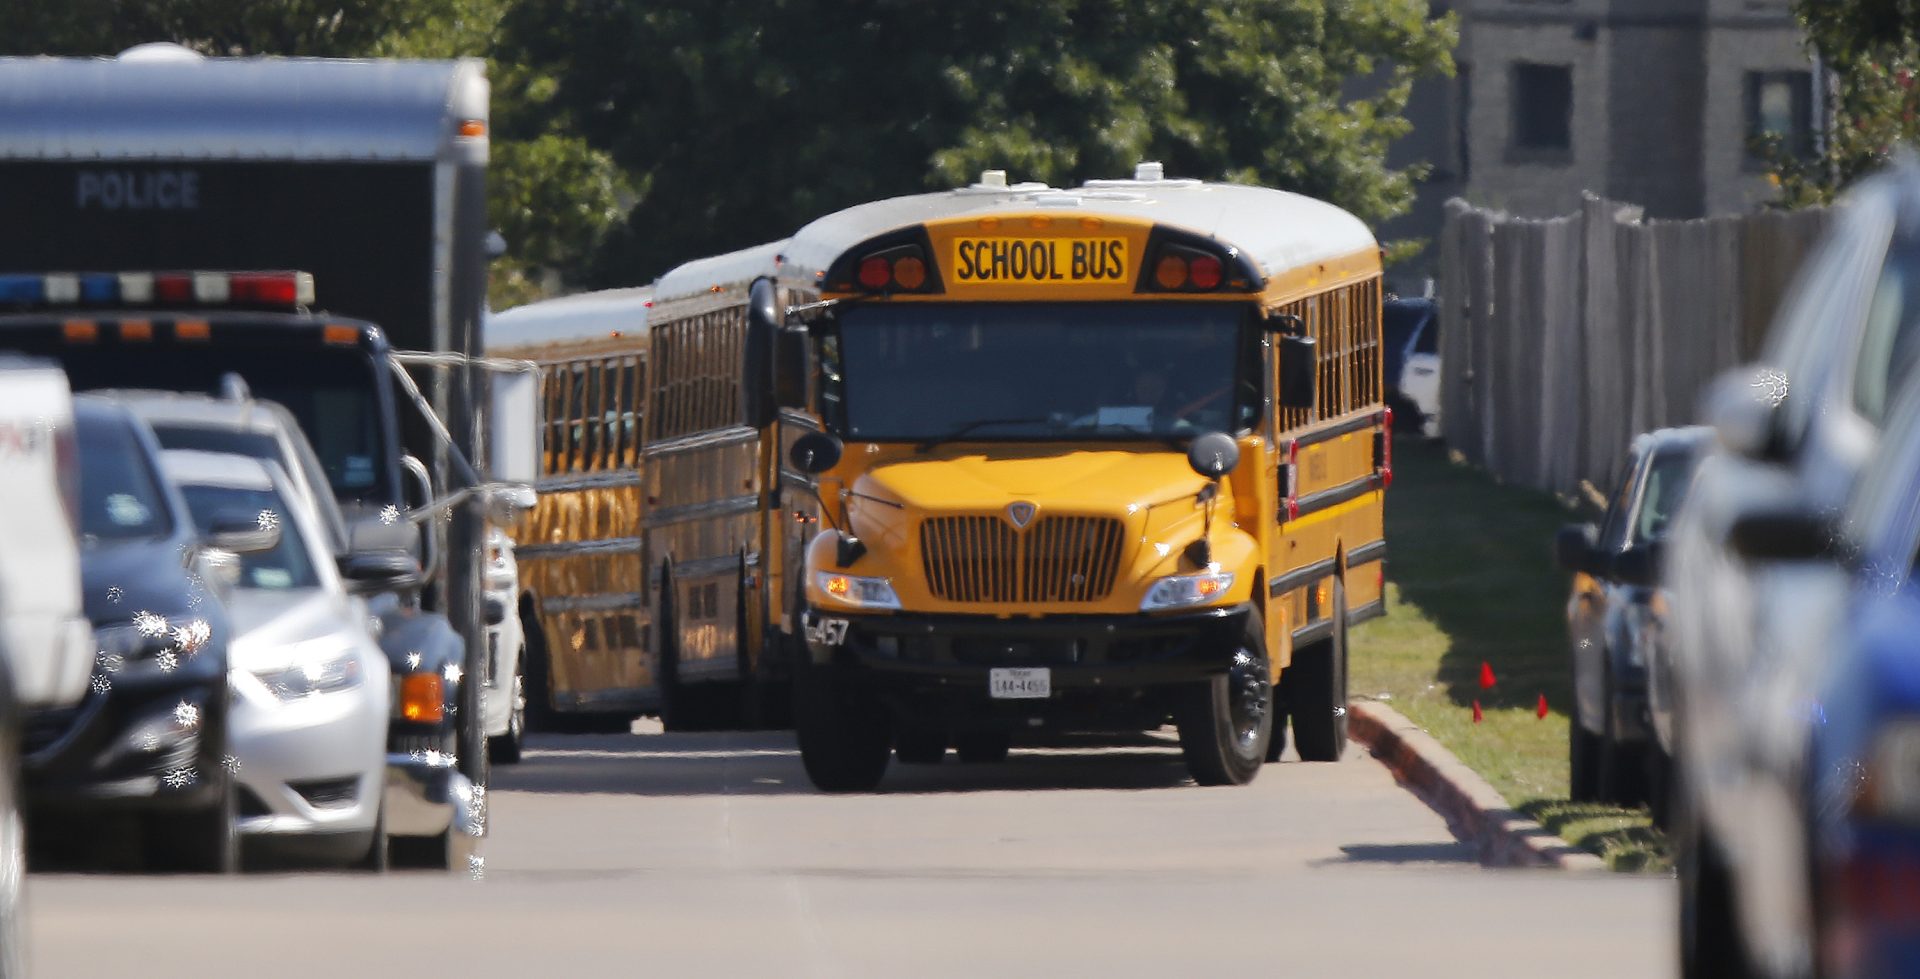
(1563, 338)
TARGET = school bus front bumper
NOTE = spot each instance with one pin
(957, 667)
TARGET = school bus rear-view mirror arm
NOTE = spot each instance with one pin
(1213, 456)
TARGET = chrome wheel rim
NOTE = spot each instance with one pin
(1248, 698)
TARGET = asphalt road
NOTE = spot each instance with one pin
(709, 855)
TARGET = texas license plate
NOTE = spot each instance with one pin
(1020, 684)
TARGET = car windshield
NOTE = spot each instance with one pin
(1031, 371)
(1667, 481)
(331, 392)
(119, 497)
(287, 565)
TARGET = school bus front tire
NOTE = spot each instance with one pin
(844, 736)
(1225, 721)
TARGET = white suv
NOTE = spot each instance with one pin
(43, 628)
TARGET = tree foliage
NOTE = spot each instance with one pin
(1872, 48)
(739, 120)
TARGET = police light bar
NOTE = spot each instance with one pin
(277, 290)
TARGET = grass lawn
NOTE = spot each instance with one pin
(1471, 579)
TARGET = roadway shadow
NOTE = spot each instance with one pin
(1397, 854)
(768, 763)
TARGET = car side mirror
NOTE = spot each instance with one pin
(496, 611)
(1742, 406)
(1298, 372)
(373, 572)
(242, 535)
(815, 452)
(1213, 455)
(1783, 535)
(1638, 566)
(1575, 548)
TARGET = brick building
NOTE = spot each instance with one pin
(1649, 101)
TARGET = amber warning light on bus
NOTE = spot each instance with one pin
(894, 263)
(1182, 262)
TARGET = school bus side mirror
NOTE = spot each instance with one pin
(757, 401)
(815, 452)
(1213, 455)
(1297, 372)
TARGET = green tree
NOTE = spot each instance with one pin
(1872, 48)
(739, 120)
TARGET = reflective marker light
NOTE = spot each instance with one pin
(421, 698)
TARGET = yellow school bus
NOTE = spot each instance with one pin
(582, 609)
(1092, 459)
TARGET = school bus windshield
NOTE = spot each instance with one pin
(1100, 371)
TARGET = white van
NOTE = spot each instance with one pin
(43, 630)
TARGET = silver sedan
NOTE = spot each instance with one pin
(311, 689)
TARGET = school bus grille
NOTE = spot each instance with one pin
(984, 559)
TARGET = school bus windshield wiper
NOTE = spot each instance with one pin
(972, 426)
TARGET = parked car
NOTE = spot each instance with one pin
(1859, 804)
(1613, 612)
(1792, 432)
(371, 554)
(1410, 346)
(311, 690)
(505, 696)
(150, 738)
(42, 627)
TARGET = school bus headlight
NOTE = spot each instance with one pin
(1187, 590)
(854, 590)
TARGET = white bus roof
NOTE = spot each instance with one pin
(1276, 229)
(583, 316)
(152, 104)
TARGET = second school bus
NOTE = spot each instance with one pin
(1008, 459)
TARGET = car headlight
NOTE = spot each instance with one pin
(854, 590)
(151, 643)
(1186, 590)
(317, 675)
(1891, 786)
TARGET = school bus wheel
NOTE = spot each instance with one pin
(1316, 688)
(842, 728)
(1226, 720)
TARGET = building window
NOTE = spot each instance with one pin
(1542, 110)
(1780, 108)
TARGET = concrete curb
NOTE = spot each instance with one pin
(1474, 811)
